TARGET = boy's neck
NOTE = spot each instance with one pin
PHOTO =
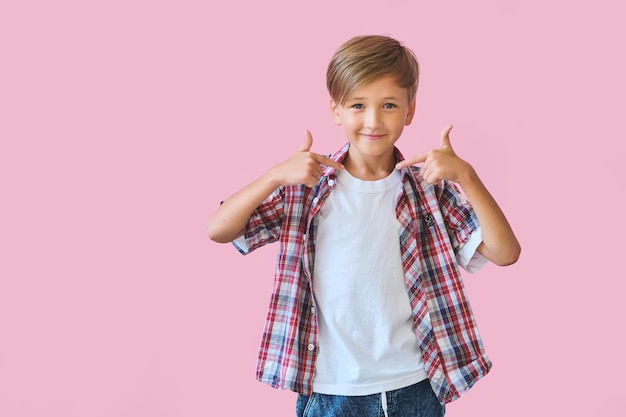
(370, 169)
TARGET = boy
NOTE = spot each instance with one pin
(369, 316)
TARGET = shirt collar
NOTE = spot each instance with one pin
(338, 156)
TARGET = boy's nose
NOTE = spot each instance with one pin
(373, 119)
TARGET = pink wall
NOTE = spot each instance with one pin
(123, 125)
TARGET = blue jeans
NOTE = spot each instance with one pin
(417, 400)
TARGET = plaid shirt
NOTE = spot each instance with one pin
(435, 222)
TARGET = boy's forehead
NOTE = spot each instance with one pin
(384, 87)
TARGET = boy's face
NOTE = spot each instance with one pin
(373, 119)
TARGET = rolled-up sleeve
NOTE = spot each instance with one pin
(468, 257)
(264, 224)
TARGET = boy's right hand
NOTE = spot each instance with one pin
(304, 167)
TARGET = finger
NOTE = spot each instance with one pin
(312, 180)
(429, 174)
(431, 179)
(412, 161)
(316, 171)
(445, 137)
(308, 142)
(425, 172)
(321, 159)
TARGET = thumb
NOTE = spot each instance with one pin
(445, 137)
(308, 142)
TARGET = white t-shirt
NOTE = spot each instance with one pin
(367, 343)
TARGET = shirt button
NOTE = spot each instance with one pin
(331, 182)
(316, 200)
(311, 347)
(313, 311)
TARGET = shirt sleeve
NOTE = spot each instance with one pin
(463, 227)
(468, 257)
(241, 245)
(264, 224)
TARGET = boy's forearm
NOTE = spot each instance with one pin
(230, 219)
(499, 245)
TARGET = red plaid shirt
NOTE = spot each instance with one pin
(436, 221)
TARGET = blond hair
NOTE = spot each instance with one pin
(364, 59)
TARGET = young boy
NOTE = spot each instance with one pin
(369, 315)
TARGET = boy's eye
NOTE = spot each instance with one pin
(389, 106)
(357, 106)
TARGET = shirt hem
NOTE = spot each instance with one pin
(369, 389)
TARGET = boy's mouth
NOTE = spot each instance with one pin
(370, 136)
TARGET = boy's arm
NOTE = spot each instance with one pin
(499, 244)
(304, 167)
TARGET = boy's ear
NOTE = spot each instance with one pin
(334, 112)
(410, 113)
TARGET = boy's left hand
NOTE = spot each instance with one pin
(439, 164)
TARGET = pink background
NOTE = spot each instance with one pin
(124, 123)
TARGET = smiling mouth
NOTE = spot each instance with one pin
(371, 136)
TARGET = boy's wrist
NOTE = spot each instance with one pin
(273, 177)
(468, 176)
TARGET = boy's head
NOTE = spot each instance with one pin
(364, 59)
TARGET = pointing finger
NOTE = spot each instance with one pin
(445, 137)
(327, 161)
(308, 142)
(418, 159)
